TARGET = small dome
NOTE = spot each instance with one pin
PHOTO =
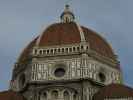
(67, 16)
(68, 33)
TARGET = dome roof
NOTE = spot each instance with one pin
(59, 34)
(27, 51)
(68, 33)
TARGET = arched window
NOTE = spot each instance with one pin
(78, 48)
(40, 51)
(102, 77)
(87, 47)
(66, 95)
(73, 48)
(55, 50)
(47, 51)
(58, 50)
(35, 51)
(62, 49)
(51, 50)
(54, 95)
(66, 49)
(82, 47)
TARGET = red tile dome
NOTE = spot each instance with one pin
(59, 34)
(68, 33)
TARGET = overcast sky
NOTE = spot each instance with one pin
(22, 20)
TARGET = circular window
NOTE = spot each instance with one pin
(102, 77)
(59, 72)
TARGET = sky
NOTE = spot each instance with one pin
(23, 20)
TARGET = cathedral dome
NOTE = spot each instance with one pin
(68, 33)
(66, 58)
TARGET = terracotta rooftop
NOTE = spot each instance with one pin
(114, 91)
(68, 33)
(10, 95)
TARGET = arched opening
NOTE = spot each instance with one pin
(47, 51)
(41, 52)
(82, 47)
(58, 50)
(55, 50)
(51, 51)
(66, 50)
(87, 47)
(102, 77)
(54, 95)
(35, 51)
(62, 49)
(74, 48)
(66, 95)
(78, 48)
